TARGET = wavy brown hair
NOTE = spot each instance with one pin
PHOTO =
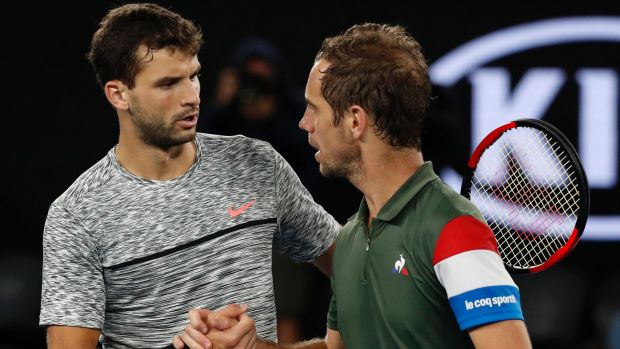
(381, 68)
(113, 51)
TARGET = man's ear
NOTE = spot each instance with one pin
(116, 93)
(360, 121)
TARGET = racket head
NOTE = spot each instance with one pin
(528, 182)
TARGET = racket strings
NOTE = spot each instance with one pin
(531, 200)
(521, 252)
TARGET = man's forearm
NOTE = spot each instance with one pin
(311, 344)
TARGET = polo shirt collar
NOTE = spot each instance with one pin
(403, 195)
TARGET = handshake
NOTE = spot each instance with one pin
(227, 328)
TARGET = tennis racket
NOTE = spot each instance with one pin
(526, 179)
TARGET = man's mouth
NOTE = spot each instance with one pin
(188, 121)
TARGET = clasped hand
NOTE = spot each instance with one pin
(227, 328)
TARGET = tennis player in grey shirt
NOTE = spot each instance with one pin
(169, 219)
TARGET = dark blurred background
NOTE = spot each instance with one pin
(56, 123)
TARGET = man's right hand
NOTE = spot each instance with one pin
(227, 328)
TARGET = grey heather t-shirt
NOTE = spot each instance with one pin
(131, 256)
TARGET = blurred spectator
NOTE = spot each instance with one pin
(255, 96)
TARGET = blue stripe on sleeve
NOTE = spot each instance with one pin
(485, 305)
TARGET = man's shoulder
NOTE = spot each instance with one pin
(443, 203)
(89, 182)
(237, 149)
(349, 229)
(214, 142)
(436, 205)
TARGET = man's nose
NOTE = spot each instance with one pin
(191, 93)
(305, 123)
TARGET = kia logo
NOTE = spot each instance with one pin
(496, 99)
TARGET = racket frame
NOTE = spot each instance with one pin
(569, 149)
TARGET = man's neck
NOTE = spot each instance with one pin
(383, 174)
(155, 163)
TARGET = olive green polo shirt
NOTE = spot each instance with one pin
(386, 293)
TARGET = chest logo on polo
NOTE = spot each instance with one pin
(399, 266)
(235, 212)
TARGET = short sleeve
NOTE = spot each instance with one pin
(73, 291)
(306, 230)
(479, 288)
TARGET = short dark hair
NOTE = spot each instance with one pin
(124, 29)
(381, 68)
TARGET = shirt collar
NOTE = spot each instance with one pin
(403, 195)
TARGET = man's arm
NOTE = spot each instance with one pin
(331, 341)
(306, 231)
(311, 344)
(509, 334)
(231, 328)
(324, 261)
(72, 287)
(69, 337)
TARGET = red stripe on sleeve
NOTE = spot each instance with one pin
(463, 233)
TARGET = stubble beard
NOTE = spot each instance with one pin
(155, 132)
(347, 163)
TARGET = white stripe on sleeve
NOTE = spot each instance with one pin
(470, 270)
